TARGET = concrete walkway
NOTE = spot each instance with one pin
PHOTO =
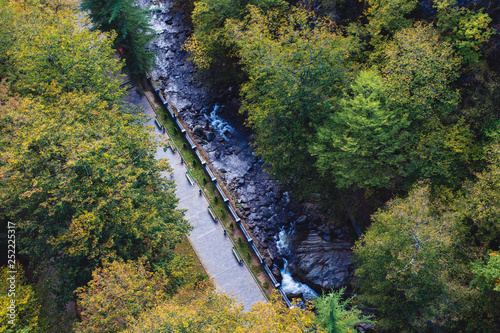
(207, 237)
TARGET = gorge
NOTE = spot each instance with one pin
(316, 253)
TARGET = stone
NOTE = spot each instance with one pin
(241, 182)
(324, 264)
(365, 327)
(210, 136)
(269, 263)
(217, 154)
(295, 295)
(240, 214)
(277, 274)
(279, 262)
(198, 131)
(301, 220)
(265, 212)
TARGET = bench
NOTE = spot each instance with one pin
(159, 123)
(212, 213)
(237, 255)
(190, 178)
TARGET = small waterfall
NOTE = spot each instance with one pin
(289, 285)
(219, 124)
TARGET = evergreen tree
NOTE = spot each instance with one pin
(132, 27)
(363, 144)
(336, 315)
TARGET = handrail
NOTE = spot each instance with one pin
(209, 172)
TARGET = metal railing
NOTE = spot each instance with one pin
(237, 219)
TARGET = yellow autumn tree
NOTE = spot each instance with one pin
(26, 304)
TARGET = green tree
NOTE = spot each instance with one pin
(488, 274)
(364, 143)
(333, 314)
(467, 30)
(133, 32)
(484, 312)
(210, 46)
(388, 16)
(420, 72)
(406, 264)
(479, 209)
(6, 38)
(296, 73)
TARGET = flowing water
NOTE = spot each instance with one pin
(219, 124)
(289, 285)
(267, 208)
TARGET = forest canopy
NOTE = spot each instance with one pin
(391, 106)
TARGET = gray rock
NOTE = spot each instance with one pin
(277, 274)
(210, 136)
(301, 220)
(198, 130)
(324, 264)
(265, 212)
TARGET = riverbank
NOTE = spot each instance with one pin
(320, 253)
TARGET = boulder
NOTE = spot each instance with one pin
(210, 136)
(277, 274)
(278, 261)
(295, 295)
(324, 264)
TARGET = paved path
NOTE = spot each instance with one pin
(207, 237)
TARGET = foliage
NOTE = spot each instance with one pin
(406, 263)
(27, 305)
(117, 294)
(421, 72)
(334, 314)
(210, 46)
(77, 168)
(54, 55)
(82, 179)
(467, 30)
(488, 274)
(363, 143)
(207, 311)
(6, 38)
(295, 75)
(133, 32)
(388, 16)
(480, 207)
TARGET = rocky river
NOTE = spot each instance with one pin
(292, 235)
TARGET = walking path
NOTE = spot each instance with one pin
(213, 248)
